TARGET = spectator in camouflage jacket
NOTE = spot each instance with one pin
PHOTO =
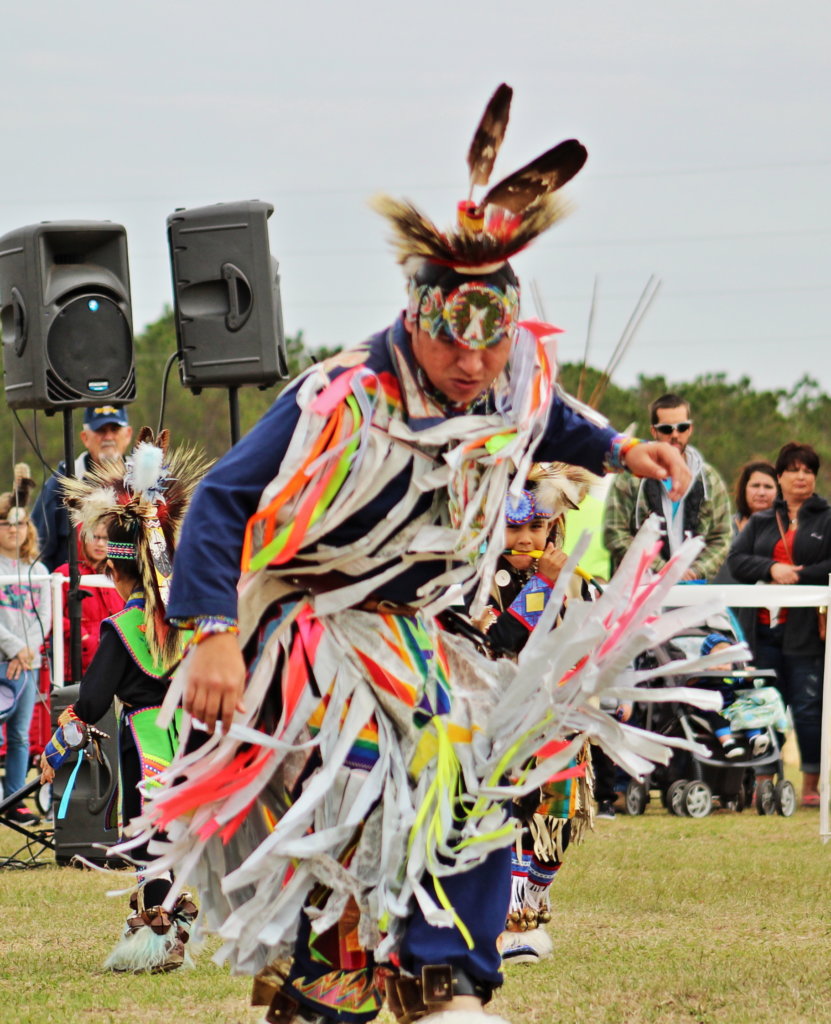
(703, 511)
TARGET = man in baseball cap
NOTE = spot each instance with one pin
(106, 434)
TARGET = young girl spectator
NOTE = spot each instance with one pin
(25, 619)
(100, 602)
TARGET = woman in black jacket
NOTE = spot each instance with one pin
(790, 543)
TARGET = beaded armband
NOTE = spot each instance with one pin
(210, 625)
(622, 444)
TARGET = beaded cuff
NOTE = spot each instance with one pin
(615, 461)
(204, 626)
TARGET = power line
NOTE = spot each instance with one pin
(366, 190)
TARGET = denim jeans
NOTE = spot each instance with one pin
(17, 728)
(799, 680)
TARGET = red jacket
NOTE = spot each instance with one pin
(101, 603)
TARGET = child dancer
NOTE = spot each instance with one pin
(525, 577)
(139, 505)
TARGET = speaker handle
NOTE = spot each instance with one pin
(19, 314)
(236, 281)
(101, 797)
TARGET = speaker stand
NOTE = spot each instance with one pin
(75, 596)
(233, 409)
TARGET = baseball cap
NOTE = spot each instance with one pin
(98, 416)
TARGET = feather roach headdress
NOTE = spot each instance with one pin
(558, 486)
(142, 500)
(551, 489)
(510, 214)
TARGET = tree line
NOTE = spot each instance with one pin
(733, 422)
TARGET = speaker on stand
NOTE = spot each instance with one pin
(226, 288)
(66, 315)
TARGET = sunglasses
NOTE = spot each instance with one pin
(669, 428)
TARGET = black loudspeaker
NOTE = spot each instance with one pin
(83, 828)
(226, 286)
(66, 315)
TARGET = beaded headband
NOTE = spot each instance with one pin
(115, 549)
(525, 509)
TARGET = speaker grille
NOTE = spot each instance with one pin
(89, 351)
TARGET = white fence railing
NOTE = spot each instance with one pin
(58, 585)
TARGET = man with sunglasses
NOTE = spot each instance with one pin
(704, 510)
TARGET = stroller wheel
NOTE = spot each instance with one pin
(636, 797)
(784, 798)
(765, 797)
(674, 794)
(697, 799)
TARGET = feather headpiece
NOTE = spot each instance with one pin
(558, 486)
(551, 489)
(23, 484)
(509, 216)
(142, 500)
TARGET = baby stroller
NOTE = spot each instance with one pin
(691, 783)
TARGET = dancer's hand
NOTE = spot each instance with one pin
(47, 772)
(552, 561)
(660, 460)
(215, 680)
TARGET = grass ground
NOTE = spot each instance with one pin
(723, 920)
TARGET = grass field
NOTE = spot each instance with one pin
(723, 920)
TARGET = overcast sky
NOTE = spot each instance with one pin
(707, 126)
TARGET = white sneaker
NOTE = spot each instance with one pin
(732, 749)
(525, 947)
(760, 744)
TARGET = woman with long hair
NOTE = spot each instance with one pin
(25, 620)
(790, 543)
